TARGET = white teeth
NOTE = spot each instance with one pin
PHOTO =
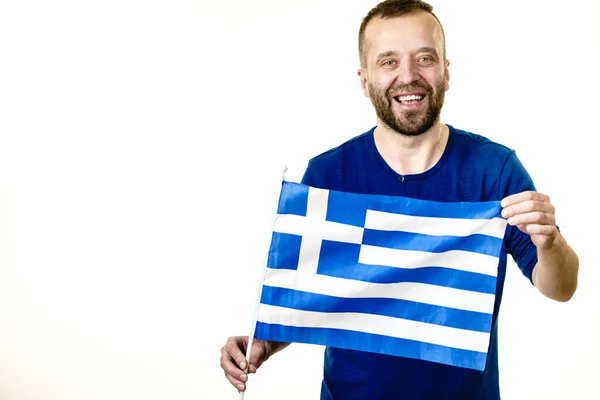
(410, 98)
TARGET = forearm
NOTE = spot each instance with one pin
(555, 274)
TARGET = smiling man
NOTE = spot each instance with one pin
(404, 70)
(410, 153)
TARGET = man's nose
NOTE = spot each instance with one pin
(408, 73)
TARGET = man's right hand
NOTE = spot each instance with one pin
(233, 358)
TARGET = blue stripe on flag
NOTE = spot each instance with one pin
(287, 259)
(340, 260)
(435, 244)
(373, 343)
(293, 199)
(396, 308)
(351, 208)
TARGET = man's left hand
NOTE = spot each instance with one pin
(533, 214)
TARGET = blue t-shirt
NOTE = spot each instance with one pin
(472, 168)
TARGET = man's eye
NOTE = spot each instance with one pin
(389, 62)
(426, 59)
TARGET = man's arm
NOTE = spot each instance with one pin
(555, 274)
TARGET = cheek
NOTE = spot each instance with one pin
(383, 84)
(438, 82)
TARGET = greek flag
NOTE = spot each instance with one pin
(383, 274)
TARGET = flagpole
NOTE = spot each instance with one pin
(261, 280)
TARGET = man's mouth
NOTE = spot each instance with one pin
(410, 99)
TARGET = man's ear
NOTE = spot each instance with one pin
(362, 74)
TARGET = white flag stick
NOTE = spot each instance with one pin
(262, 279)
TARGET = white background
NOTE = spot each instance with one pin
(140, 143)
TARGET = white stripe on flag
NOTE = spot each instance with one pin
(410, 259)
(418, 292)
(315, 228)
(377, 324)
(385, 221)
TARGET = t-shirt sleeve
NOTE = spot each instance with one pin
(514, 178)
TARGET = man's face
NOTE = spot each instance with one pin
(405, 75)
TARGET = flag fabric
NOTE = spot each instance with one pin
(383, 274)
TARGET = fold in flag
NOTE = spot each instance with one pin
(383, 274)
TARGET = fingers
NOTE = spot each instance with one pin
(524, 196)
(542, 235)
(233, 361)
(234, 348)
(533, 214)
(529, 211)
(537, 217)
(528, 206)
(238, 384)
(545, 230)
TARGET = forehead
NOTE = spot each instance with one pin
(403, 34)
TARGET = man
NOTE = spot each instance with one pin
(410, 153)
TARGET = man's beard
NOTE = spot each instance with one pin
(410, 123)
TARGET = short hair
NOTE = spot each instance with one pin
(393, 9)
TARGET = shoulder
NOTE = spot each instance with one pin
(491, 161)
(353, 146)
(331, 165)
(479, 146)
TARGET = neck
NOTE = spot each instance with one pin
(409, 155)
